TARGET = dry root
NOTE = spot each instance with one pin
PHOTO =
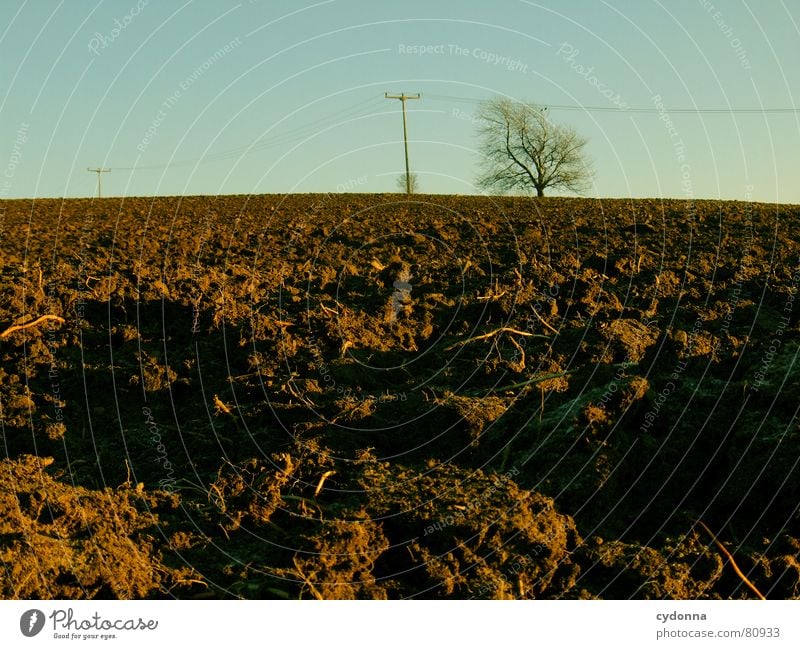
(33, 323)
(729, 556)
(501, 330)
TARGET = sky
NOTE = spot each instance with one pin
(184, 97)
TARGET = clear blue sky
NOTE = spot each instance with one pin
(273, 96)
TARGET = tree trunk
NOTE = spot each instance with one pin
(540, 191)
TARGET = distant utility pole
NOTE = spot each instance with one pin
(403, 97)
(99, 171)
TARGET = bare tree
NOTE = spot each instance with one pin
(413, 184)
(523, 150)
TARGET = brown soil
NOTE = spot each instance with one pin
(366, 397)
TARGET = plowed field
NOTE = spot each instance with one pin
(353, 396)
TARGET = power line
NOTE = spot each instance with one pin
(365, 107)
(618, 109)
(285, 137)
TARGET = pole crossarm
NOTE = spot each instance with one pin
(98, 171)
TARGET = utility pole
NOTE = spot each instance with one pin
(403, 97)
(99, 171)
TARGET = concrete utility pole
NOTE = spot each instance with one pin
(99, 171)
(403, 97)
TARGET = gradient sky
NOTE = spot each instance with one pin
(273, 96)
